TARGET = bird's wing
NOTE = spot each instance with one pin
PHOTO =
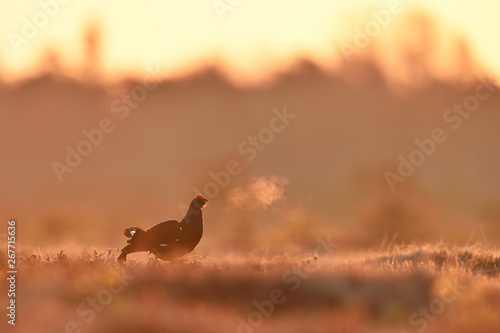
(167, 232)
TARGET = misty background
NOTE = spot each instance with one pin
(323, 174)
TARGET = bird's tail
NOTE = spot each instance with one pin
(134, 233)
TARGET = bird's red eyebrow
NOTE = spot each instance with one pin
(199, 196)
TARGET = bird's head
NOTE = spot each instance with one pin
(199, 201)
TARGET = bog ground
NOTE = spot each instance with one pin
(427, 288)
(346, 149)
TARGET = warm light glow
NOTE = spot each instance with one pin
(256, 37)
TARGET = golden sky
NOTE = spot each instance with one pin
(250, 36)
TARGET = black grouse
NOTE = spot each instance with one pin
(170, 239)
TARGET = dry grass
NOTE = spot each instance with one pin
(356, 292)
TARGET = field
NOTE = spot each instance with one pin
(428, 288)
(345, 148)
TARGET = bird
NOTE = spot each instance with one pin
(170, 239)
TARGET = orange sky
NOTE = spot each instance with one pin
(250, 37)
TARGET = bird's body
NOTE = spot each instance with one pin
(169, 239)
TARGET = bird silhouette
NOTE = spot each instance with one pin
(170, 239)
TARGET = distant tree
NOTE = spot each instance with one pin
(418, 45)
(51, 63)
(423, 43)
(92, 39)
